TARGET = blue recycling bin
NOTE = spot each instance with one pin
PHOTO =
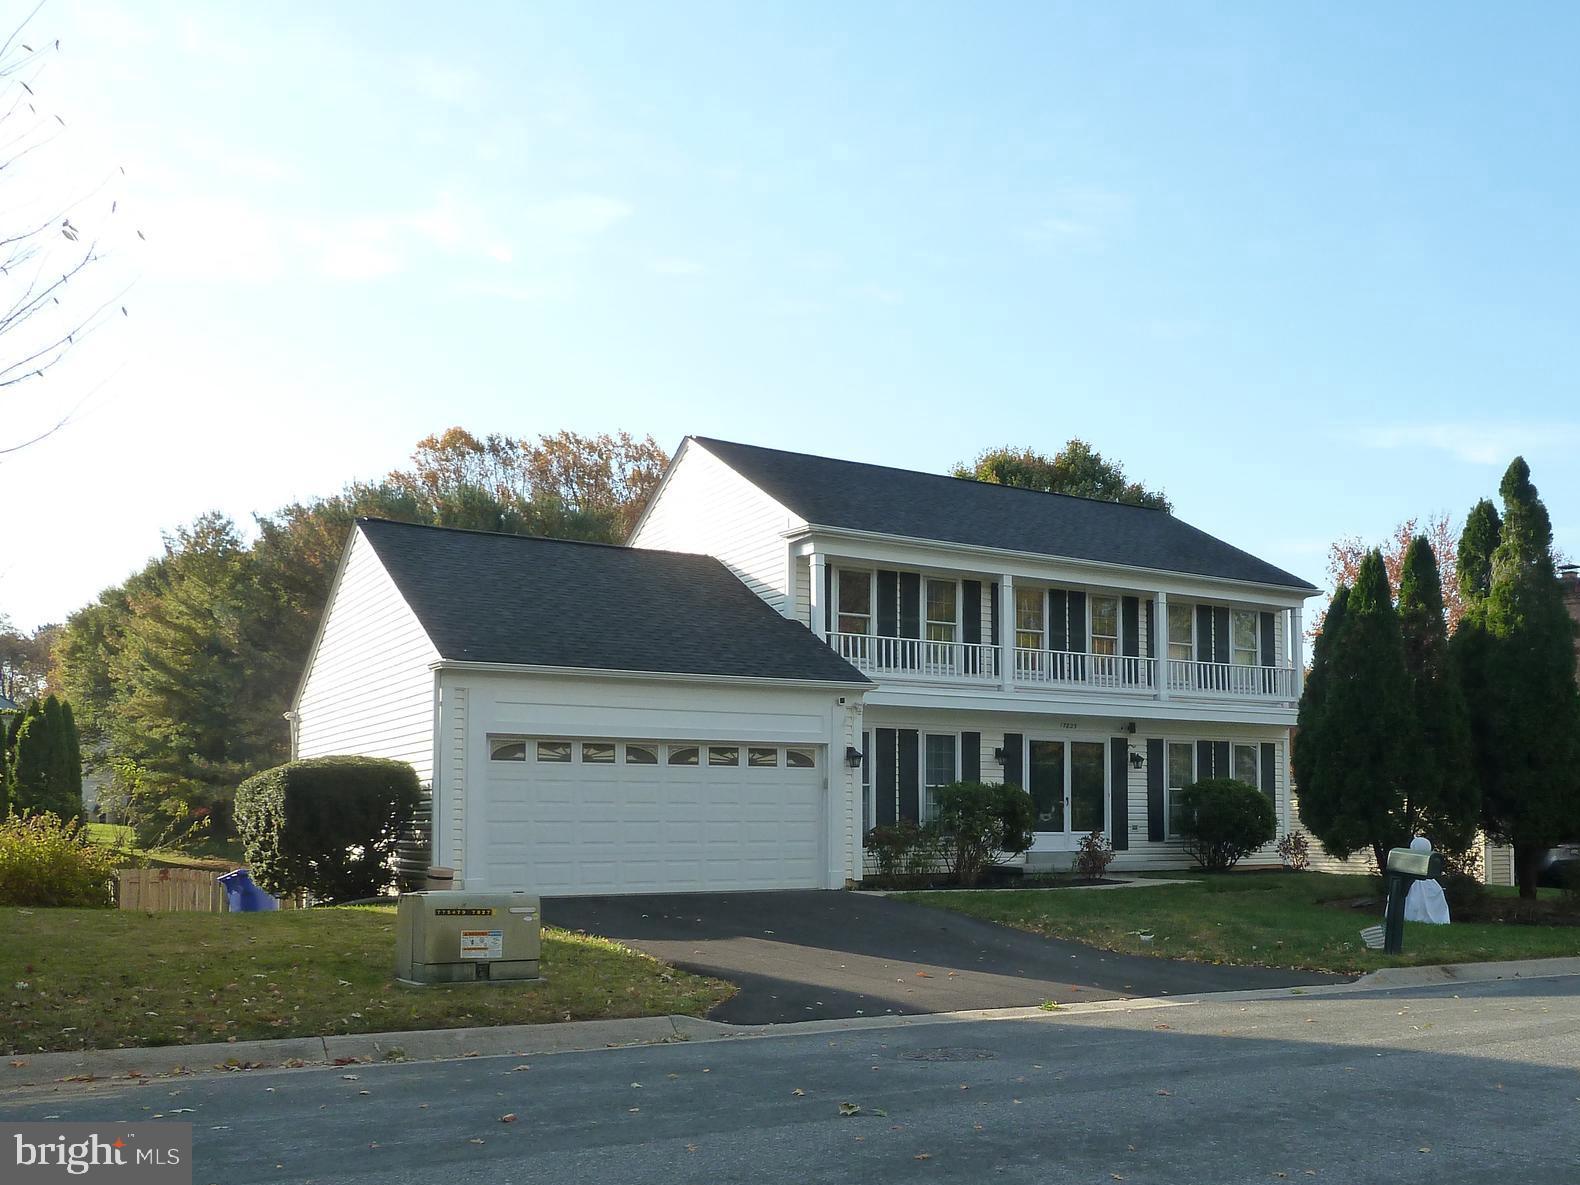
(243, 896)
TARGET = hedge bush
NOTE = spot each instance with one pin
(45, 862)
(1225, 820)
(328, 825)
(976, 821)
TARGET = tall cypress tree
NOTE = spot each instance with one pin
(1444, 798)
(1308, 758)
(1477, 542)
(1367, 747)
(33, 758)
(1528, 705)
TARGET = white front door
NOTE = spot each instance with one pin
(1068, 781)
(568, 817)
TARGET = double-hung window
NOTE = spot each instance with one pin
(943, 602)
(1242, 631)
(1105, 625)
(1030, 612)
(942, 764)
(855, 602)
(1182, 632)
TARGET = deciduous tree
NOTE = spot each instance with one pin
(1077, 468)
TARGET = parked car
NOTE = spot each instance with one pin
(1560, 867)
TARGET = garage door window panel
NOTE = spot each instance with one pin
(556, 752)
(507, 751)
(641, 754)
(800, 758)
(598, 753)
(762, 758)
(683, 754)
(724, 755)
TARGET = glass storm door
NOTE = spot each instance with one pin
(1087, 787)
(1048, 785)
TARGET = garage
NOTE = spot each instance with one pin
(572, 817)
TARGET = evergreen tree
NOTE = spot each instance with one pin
(71, 748)
(1520, 656)
(1366, 751)
(1444, 798)
(1477, 542)
(35, 757)
(1309, 754)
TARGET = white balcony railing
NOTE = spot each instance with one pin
(1187, 677)
(918, 658)
(1063, 668)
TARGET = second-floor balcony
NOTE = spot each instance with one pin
(981, 664)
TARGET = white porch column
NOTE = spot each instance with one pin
(1297, 647)
(1160, 643)
(815, 597)
(1005, 609)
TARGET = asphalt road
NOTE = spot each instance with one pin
(819, 955)
(1441, 1085)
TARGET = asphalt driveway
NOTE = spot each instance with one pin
(828, 954)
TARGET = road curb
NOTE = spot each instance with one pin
(1440, 973)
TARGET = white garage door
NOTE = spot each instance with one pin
(570, 817)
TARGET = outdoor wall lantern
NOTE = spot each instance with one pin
(1137, 759)
(998, 756)
(853, 757)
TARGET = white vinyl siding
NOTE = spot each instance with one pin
(705, 507)
(369, 688)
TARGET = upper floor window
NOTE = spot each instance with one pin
(942, 610)
(1182, 635)
(1030, 608)
(855, 602)
(1105, 625)
(1242, 632)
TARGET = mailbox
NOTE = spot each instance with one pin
(1405, 866)
(453, 936)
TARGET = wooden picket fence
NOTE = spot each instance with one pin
(175, 890)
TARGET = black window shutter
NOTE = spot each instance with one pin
(1130, 626)
(828, 597)
(1152, 629)
(1078, 621)
(1222, 768)
(1058, 602)
(1220, 634)
(884, 784)
(910, 605)
(1270, 772)
(971, 611)
(888, 604)
(1204, 768)
(1157, 774)
(1013, 742)
(1119, 792)
(993, 613)
(1269, 641)
(910, 774)
(1203, 633)
(971, 757)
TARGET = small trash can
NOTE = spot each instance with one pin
(242, 896)
(440, 879)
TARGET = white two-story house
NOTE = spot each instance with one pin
(792, 650)
(1102, 656)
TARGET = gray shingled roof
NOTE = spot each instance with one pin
(551, 602)
(875, 498)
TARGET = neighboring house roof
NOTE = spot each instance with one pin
(550, 602)
(9, 705)
(875, 498)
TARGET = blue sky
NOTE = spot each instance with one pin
(1311, 272)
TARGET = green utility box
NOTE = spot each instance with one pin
(455, 936)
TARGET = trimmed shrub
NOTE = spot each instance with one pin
(1093, 856)
(906, 852)
(1225, 820)
(328, 825)
(45, 862)
(1295, 851)
(978, 820)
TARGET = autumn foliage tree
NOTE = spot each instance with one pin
(1077, 469)
(1345, 556)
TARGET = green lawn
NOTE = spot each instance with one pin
(1262, 919)
(109, 978)
(204, 854)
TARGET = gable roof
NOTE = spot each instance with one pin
(853, 496)
(525, 600)
(9, 705)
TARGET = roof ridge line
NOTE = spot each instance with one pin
(396, 522)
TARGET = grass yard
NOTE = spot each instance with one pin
(1261, 919)
(206, 854)
(87, 978)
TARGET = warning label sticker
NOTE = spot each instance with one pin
(482, 944)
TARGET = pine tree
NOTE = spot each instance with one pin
(1367, 746)
(71, 763)
(34, 757)
(1526, 710)
(1477, 542)
(1308, 758)
(1444, 798)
